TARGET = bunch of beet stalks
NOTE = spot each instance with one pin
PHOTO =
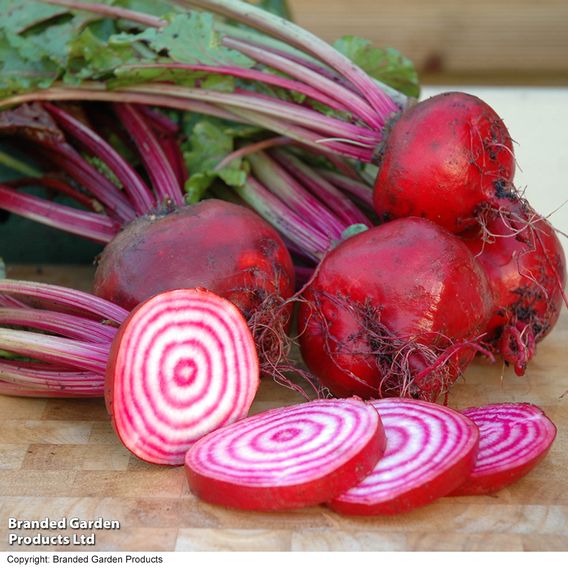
(154, 241)
(459, 264)
(399, 309)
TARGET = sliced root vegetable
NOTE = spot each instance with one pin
(431, 450)
(183, 364)
(289, 457)
(514, 438)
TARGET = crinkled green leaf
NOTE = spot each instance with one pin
(2, 268)
(208, 143)
(387, 65)
(20, 15)
(188, 38)
(91, 57)
(18, 73)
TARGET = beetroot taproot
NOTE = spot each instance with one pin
(442, 160)
(526, 268)
(212, 244)
(394, 311)
(183, 364)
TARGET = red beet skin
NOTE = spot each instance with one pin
(388, 304)
(514, 438)
(213, 244)
(526, 267)
(287, 458)
(443, 158)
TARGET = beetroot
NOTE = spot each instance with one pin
(514, 438)
(214, 244)
(180, 365)
(394, 311)
(183, 364)
(155, 242)
(526, 267)
(289, 457)
(431, 450)
(442, 159)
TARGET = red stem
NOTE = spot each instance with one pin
(59, 350)
(66, 297)
(56, 184)
(94, 226)
(70, 326)
(69, 160)
(344, 209)
(341, 98)
(140, 195)
(163, 177)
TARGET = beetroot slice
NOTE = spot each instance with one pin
(289, 457)
(431, 450)
(183, 364)
(514, 437)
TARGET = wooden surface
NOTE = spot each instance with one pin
(62, 459)
(504, 42)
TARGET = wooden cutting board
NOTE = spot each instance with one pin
(61, 458)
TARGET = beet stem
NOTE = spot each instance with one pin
(78, 354)
(159, 169)
(339, 94)
(69, 160)
(251, 149)
(65, 296)
(291, 225)
(70, 326)
(158, 95)
(94, 226)
(296, 36)
(56, 184)
(49, 379)
(337, 202)
(293, 194)
(140, 195)
(252, 75)
(356, 188)
(111, 12)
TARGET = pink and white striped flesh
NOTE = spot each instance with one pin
(289, 457)
(514, 438)
(430, 451)
(183, 364)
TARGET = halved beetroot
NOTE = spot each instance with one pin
(183, 364)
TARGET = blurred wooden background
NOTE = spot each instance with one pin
(453, 41)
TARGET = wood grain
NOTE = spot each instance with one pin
(62, 459)
(512, 41)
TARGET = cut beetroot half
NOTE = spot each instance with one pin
(514, 437)
(289, 457)
(430, 451)
(183, 364)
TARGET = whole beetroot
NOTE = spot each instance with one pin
(394, 311)
(442, 160)
(526, 267)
